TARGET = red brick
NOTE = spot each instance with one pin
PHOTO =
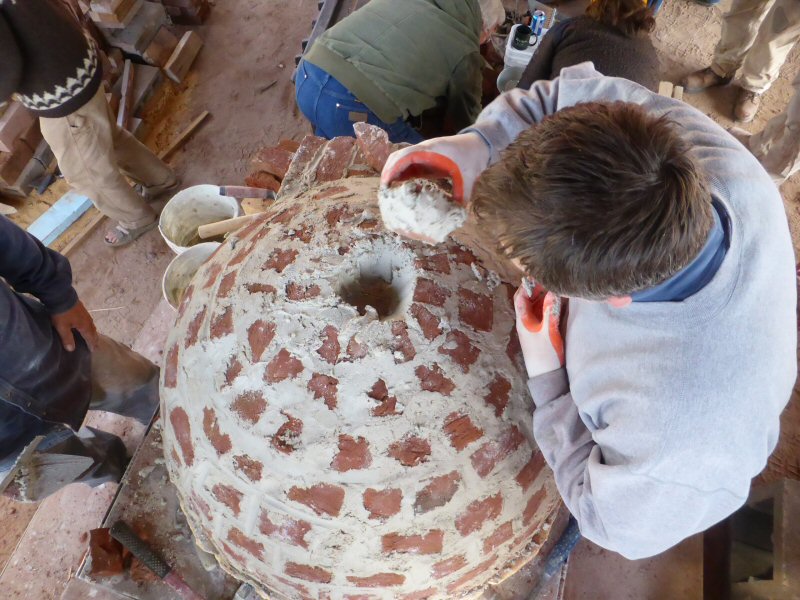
(461, 255)
(290, 530)
(304, 233)
(329, 350)
(222, 324)
(201, 506)
(220, 441)
(532, 506)
(309, 146)
(233, 554)
(263, 180)
(322, 498)
(429, 543)
(185, 299)
(325, 387)
(307, 573)
(193, 329)
(499, 392)
(280, 259)
(443, 568)
(291, 146)
(171, 368)
(338, 214)
(251, 468)
(330, 191)
(378, 580)
(304, 593)
(368, 224)
(300, 293)
(458, 347)
(230, 497)
(382, 504)
(432, 379)
(461, 431)
(410, 451)
(335, 159)
(421, 594)
(488, 456)
(498, 537)
(353, 454)
(478, 513)
(260, 288)
(387, 404)
(530, 471)
(287, 438)
(428, 322)
(475, 310)
(249, 406)
(402, 343)
(235, 536)
(374, 144)
(438, 263)
(355, 349)
(226, 285)
(470, 575)
(437, 493)
(259, 335)
(233, 370)
(106, 554)
(213, 274)
(283, 366)
(183, 434)
(428, 292)
(274, 161)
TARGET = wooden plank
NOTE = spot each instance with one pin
(665, 88)
(59, 217)
(185, 134)
(88, 228)
(124, 114)
(161, 48)
(182, 58)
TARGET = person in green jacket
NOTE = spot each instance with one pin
(390, 61)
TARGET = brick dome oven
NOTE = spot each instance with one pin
(345, 416)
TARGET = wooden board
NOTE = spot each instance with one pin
(126, 100)
(182, 58)
(185, 134)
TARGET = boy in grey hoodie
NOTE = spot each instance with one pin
(658, 392)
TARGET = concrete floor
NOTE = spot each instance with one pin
(249, 44)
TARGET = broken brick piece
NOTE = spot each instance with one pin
(374, 144)
(461, 431)
(326, 387)
(478, 513)
(410, 451)
(382, 504)
(428, 322)
(488, 456)
(221, 442)
(428, 543)
(283, 366)
(250, 406)
(432, 379)
(287, 438)
(378, 580)
(437, 493)
(475, 310)
(274, 161)
(459, 347)
(429, 292)
(322, 498)
(353, 454)
(229, 496)
(499, 392)
(329, 350)
(387, 404)
(105, 553)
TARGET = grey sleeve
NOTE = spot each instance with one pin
(11, 72)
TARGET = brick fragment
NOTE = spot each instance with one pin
(466, 578)
(183, 434)
(335, 159)
(222, 324)
(233, 554)
(437, 493)
(287, 438)
(251, 468)
(309, 146)
(378, 580)
(229, 496)
(324, 386)
(263, 180)
(226, 285)
(459, 347)
(260, 288)
(171, 367)
(532, 506)
(233, 370)
(250, 406)
(461, 255)
(488, 456)
(329, 350)
(478, 513)
(428, 322)
(438, 263)
(428, 543)
(353, 454)
(298, 587)
(432, 379)
(387, 405)
(274, 161)
(300, 293)
(530, 471)
(498, 537)
(322, 498)
(213, 273)
(499, 393)
(330, 191)
(193, 329)
(443, 568)
(290, 530)
(106, 553)
(355, 349)
(235, 536)
(338, 214)
(280, 259)
(475, 310)
(402, 343)
(374, 144)
(382, 504)
(307, 573)
(421, 594)
(221, 442)
(291, 146)
(410, 451)
(259, 335)
(283, 366)
(428, 292)
(461, 430)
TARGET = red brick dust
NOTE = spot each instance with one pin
(183, 433)
(378, 580)
(259, 335)
(499, 393)
(488, 456)
(459, 348)
(250, 406)
(325, 387)
(461, 431)
(287, 438)
(448, 567)
(283, 366)
(220, 441)
(427, 543)
(229, 496)
(323, 498)
(498, 537)
(410, 451)
(251, 468)
(289, 530)
(432, 379)
(478, 513)
(353, 454)
(437, 493)
(429, 323)
(382, 504)
(475, 310)
(237, 538)
(329, 350)
(387, 405)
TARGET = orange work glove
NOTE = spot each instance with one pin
(538, 319)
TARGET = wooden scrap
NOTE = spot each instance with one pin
(126, 96)
(665, 88)
(87, 228)
(185, 134)
(677, 92)
(161, 48)
(15, 120)
(182, 58)
(7, 209)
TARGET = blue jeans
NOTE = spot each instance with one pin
(332, 109)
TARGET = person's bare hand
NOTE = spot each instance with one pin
(77, 318)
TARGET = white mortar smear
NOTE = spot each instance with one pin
(420, 208)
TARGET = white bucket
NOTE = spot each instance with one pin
(190, 208)
(182, 269)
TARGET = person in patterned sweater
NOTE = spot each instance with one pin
(52, 67)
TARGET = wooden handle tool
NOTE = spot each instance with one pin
(221, 227)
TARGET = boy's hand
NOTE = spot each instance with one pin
(461, 158)
(78, 318)
(538, 319)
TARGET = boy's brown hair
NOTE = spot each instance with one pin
(597, 200)
(629, 16)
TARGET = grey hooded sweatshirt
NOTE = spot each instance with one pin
(665, 411)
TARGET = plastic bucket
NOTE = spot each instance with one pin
(182, 269)
(190, 208)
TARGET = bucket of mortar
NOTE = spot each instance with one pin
(182, 269)
(190, 208)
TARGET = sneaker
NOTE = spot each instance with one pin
(747, 105)
(703, 79)
(154, 192)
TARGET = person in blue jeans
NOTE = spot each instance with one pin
(390, 61)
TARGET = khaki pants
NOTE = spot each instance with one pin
(94, 154)
(777, 146)
(757, 35)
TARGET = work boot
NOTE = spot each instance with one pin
(747, 105)
(703, 79)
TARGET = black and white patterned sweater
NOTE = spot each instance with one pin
(45, 58)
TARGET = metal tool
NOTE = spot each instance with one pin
(240, 191)
(125, 536)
